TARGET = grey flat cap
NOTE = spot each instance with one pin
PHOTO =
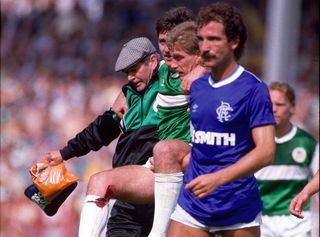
(134, 51)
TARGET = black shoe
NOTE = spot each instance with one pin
(49, 208)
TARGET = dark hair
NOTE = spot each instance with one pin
(173, 17)
(231, 19)
(286, 89)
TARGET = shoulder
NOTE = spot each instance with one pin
(252, 80)
(304, 134)
(201, 80)
(163, 66)
(253, 83)
(163, 71)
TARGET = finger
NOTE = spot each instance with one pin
(190, 185)
(183, 86)
(297, 214)
(186, 88)
(298, 207)
(47, 157)
(293, 204)
(200, 193)
(294, 210)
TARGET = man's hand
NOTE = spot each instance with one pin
(120, 106)
(203, 185)
(53, 158)
(297, 204)
(187, 80)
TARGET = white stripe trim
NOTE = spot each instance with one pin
(314, 166)
(288, 136)
(161, 63)
(227, 80)
(283, 172)
(172, 101)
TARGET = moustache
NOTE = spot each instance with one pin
(207, 56)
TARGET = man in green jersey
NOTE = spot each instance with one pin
(173, 115)
(170, 154)
(296, 160)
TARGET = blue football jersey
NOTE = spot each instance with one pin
(222, 117)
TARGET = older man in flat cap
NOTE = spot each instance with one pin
(139, 60)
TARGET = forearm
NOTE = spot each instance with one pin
(313, 186)
(247, 165)
(99, 133)
(261, 156)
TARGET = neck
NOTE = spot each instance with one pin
(283, 130)
(224, 70)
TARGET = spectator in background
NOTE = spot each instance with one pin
(296, 160)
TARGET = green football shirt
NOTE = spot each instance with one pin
(296, 160)
(172, 106)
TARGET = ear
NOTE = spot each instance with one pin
(292, 110)
(197, 59)
(234, 43)
(154, 61)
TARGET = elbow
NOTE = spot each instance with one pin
(269, 155)
(269, 158)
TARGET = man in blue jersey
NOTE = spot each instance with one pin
(296, 160)
(232, 132)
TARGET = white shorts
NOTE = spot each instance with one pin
(290, 226)
(180, 215)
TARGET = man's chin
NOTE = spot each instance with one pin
(140, 88)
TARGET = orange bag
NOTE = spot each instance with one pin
(51, 180)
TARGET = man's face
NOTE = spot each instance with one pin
(163, 47)
(281, 107)
(214, 46)
(140, 75)
(183, 62)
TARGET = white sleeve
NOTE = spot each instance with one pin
(314, 165)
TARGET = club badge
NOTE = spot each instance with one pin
(299, 154)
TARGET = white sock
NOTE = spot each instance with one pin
(93, 218)
(166, 191)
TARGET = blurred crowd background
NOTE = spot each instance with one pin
(57, 75)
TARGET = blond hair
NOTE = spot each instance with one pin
(286, 89)
(184, 36)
